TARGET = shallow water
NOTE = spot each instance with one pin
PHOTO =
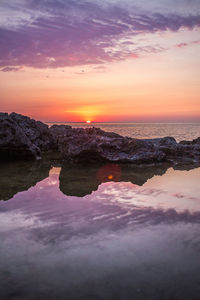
(101, 232)
(180, 131)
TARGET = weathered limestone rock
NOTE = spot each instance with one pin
(185, 152)
(37, 132)
(14, 143)
(22, 137)
(58, 132)
(103, 146)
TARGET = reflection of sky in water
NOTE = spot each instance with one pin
(121, 242)
(179, 190)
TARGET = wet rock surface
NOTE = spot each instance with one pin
(22, 137)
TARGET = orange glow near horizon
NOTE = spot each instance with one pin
(161, 87)
(85, 113)
(146, 70)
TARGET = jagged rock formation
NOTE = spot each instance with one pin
(92, 147)
(23, 137)
(14, 143)
(36, 131)
(182, 152)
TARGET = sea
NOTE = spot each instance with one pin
(180, 131)
(101, 231)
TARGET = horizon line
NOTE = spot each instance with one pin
(126, 122)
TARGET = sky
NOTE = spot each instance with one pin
(101, 60)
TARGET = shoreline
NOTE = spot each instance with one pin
(24, 138)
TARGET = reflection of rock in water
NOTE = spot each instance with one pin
(185, 167)
(20, 176)
(139, 175)
(75, 180)
(80, 180)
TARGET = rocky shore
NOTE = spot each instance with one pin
(24, 138)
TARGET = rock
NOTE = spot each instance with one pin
(100, 132)
(168, 145)
(92, 145)
(37, 132)
(193, 142)
(196, 141)
(22, 137)
(58, 132)
(188, 153)
(14, 143)
(185, 152)
(168, 140)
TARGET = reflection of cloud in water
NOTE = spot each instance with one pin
(121, 240)
(103, 263)
(129, 194)
(115, 206)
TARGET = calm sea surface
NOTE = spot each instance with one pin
(101, 232)
(180, 131)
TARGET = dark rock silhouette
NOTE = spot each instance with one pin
(92, 147)
(58, 132)
(22, 137)
(14, 143)
(37, 132)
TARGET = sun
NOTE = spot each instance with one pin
(88, 121)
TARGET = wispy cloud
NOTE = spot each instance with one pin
(51, 34)
(10, 69)
(182, 45)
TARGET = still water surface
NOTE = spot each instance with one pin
(101, 232)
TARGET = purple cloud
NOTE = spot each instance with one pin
(10, 69)
(68, 33)
(182, 45)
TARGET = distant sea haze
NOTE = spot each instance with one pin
(180, 131)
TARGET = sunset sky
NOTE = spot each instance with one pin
(101, 60)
